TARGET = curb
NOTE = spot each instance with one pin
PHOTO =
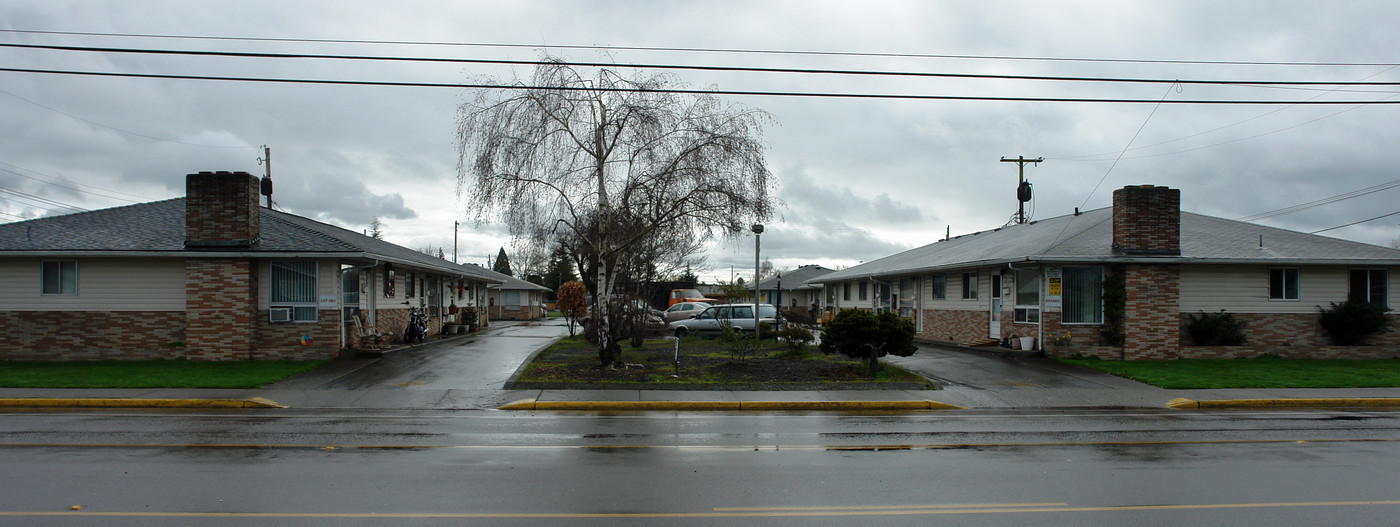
(532, 404)
(1323, 402)
(117, 402)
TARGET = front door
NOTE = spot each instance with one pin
(995, 326)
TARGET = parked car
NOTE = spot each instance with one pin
(637, 307)
(688, 295)
(684, 310)
(712, 320)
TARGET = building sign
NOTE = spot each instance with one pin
(1052, 288)
(330, 301)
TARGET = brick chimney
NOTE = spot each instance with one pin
(221, 210)
(1147, 221)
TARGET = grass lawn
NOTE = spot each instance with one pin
(706, 364)
(149, 373)
(1264, 372)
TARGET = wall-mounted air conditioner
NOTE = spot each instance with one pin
(280, 314)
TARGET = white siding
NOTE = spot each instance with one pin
(104, 284)
(1245, 289)
(952, 299)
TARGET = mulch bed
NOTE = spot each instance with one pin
(706, 365)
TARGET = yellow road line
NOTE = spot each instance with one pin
(873, 447)
(797, 512)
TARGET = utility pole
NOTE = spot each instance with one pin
(454, 242)
(1023, 189)
(265, 187)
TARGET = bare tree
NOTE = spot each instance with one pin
(616, 163)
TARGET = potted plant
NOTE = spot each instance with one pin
(469, 313)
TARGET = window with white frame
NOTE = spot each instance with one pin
(59, 277)
(1027, 297)
(939, 287)
(1081, 295)
(294, 286)
(845, 291)
(511, 299)
(1283, 284)
(1368, 285)
(969, 286)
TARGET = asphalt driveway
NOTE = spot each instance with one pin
(481, 362)
(995, 378)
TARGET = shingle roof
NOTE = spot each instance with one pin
(1088, 237)
(796, 278)
(510, 282)
(158, 228)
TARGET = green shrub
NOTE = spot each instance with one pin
(860, 334)
(741, 345)
(1352, 322)
(1215, 329)
(797, 338)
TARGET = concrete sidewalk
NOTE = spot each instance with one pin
(968, 379)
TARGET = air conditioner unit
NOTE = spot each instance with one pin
(280, 314)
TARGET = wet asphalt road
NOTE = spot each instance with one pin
(305, 467)
(485, 362)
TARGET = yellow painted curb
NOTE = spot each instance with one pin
(1319, 402)
(532, 404)
(118, 402)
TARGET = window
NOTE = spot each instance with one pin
(1368, 285)
(294, 286)
(845, 290)
(1027, 297)
(939, 286)
(1082, 295)
(512, 298)
(388, 282)
(60, 277)
(1283, 284)
(830, 294)
(969, 286)
(864, 288)
(409, 281)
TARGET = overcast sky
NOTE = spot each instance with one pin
(858, 179)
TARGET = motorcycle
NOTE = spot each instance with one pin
(417, 326)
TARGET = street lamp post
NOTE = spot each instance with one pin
(757, 232)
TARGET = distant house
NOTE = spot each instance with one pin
(1046, 280)
(515, 299)
(791, 288)
(211, 276)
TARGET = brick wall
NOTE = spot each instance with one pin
(91, 335)
(520, 313)
(221, 209)
(1147, 220)
(1151, 318)
(220, 299)
(283, 340)
(967, 327)
(1291, 335)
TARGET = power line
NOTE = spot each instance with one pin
(44, 201)
(128, 132)
(400, 84)
(709, 50)
(1321, 202)
(59, 185)
(747, 69)
(1356, 222)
